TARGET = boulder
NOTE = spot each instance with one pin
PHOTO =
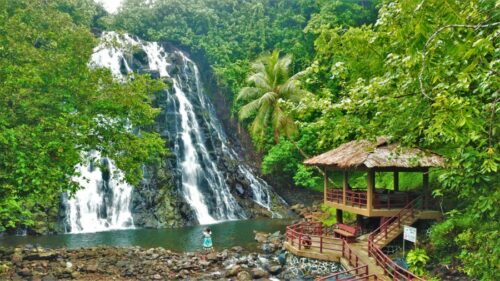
(212, 256)
(274, 269)
(258, 273)
(237, 249)
(261, 237)
(233, 271)
(244, 276)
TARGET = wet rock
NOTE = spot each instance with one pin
(237, 249)
(275, 269)
(261, 237)
(244, 276)
(258, 273)
(233, 271)
(49, 277)
(239, 189)
(212, 256)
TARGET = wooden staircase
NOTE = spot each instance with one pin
(394, 229)
(387, 232)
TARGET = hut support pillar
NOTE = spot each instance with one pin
(345, 186)
(339, 216)
(396, 181)
(425, 185)
(325, 192)
(370, 189)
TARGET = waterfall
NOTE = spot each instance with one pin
(103, 202)
(196, 138)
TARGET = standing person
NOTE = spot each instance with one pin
(207, 240)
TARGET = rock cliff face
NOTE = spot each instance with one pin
(161, 200)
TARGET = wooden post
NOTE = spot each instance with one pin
(345, 185)
(321, 244)
(325, 195)
(396, 180)
(425, 185)
(370, 189)
(339, 216)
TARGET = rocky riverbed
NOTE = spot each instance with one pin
(135, 263)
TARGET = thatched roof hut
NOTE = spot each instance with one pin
(364, 154)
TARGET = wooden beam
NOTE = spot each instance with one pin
(345, 185)
(325, 184)
(370, 190)
(376, 169)
(396, 181)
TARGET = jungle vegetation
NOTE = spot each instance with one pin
(423, 72)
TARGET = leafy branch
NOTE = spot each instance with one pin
(433, 36)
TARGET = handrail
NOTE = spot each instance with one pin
(305, 232)
(390, 267)
(359, 198)
(397, 217)
(310, 232)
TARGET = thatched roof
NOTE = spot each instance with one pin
(380, 154)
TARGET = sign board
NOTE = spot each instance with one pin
(410, 233)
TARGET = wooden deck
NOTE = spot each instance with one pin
(334, 253)
(313, 240)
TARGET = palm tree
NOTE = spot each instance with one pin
(270, 84)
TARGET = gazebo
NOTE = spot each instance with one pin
(371, 157)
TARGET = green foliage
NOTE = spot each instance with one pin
(54, 107)
(417, 259)
(332, 216)
(308, 177)
(281, 159)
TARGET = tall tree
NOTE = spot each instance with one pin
(270, 87)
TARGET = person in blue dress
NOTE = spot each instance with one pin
(207, 240)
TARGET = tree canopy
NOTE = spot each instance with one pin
(54, 107)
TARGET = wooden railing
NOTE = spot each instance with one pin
(356, 198)
(359, 198)
(334, 195)
(306, 235)
(310, 235)
(390, 267)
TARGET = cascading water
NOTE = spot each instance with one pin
(103, 202)
(196, 137)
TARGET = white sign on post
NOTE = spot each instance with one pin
(410, 233)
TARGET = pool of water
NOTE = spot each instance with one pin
(224, 235)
